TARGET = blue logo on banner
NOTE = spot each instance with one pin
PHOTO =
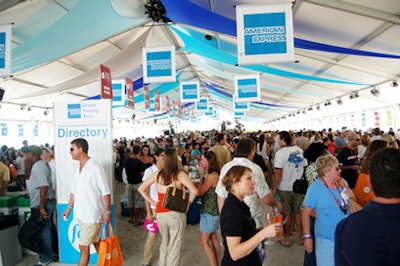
(239, 114)
(117, 92)
(241, 105)
(247, 88)
(36, 131)
(74, 111)
(363, 120)
(2, 49)
(265, 33)
(4, 130)
(189, 91)
(159, 64)
(152, 107)
(202, 105)
(20, 130)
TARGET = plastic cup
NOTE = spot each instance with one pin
(278, 219)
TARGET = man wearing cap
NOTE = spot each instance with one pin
(42, 201)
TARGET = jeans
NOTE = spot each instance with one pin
(46, 242)
(324, 251)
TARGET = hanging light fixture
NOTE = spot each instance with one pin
(156, 11)
(354, 95)
(375, 91)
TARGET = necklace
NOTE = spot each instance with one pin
(343, 206)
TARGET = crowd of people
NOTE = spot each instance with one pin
(244, 179)
(325, 158)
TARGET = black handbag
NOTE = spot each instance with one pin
(176, 199)
(300, 185)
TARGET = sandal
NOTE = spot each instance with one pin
(285, 245)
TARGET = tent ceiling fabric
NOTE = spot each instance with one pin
(58, 46)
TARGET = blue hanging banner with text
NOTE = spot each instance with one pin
(247, 88)
(265, 33)
(159, 64)
(202, 105)
(189, 92)
(5, 50)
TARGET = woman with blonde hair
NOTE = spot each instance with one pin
(390, 140)
(362, 147)
(330, 202)
(171, 224)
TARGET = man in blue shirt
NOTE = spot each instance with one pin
(369, 237)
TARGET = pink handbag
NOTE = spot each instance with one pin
(151, 227)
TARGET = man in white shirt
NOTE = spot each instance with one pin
(289, 166)
(91, 198)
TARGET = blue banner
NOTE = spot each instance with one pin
(159, 64)
(240, 106)
(247, 88)
(202, 105)
(20, 130)
(118, 92)
(264, 33)
(5, 50)
(189, 91)
(4, 131)
(36, 131)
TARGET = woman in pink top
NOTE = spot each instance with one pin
(171, 224)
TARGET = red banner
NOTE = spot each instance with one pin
(173, 108)
(180, 111)
(106, 83)
(157, 101)
(130, 93)
(168, 104)
(146, 97)
(377, 120)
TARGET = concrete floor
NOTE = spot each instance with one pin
(132, 239)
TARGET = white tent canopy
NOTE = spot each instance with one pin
(58, 46)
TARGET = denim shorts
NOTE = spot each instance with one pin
(209, 223)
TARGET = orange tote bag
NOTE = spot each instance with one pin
(109, 250)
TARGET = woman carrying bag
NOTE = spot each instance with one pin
(171, 224)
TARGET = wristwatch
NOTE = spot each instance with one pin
(306, 236)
